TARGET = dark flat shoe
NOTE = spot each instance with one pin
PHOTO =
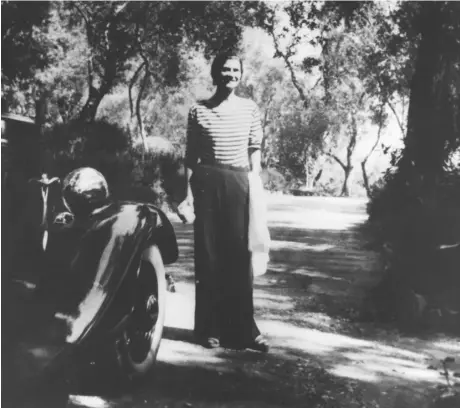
(209, 342)
(260, 343)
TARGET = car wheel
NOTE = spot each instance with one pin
(139, 343)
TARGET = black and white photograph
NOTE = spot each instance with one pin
(230, 204)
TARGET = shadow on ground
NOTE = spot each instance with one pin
(318, 275)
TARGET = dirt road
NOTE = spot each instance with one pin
(306, 304)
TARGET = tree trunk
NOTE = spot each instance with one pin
(89, 111)
(138, 113)
(431, 118)
(307, 176)
(311, 168)
(364, 162)
(265, 123)
(366, 178)
(41, 108)
(307, 165)
(317, 177)
(105, 71)
(347, 168)
(345, 190)
(350, 150)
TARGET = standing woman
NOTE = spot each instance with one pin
(224, 136)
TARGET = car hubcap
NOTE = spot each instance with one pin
(140, 330)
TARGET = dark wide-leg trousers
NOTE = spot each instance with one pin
(224, 293)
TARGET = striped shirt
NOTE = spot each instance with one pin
(223, 134)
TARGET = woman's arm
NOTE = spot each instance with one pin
(191, 155)
(189, 195)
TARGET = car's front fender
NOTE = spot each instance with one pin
(104, 251)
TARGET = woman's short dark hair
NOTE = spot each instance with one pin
(220, 60)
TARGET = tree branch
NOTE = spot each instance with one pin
(131, 85)
(138, 111)
(267, 110)
(264, 126)
(120, 8)
(400, 124)
(288, 63)
(342, 164)
(386, 99)
(80, 11)
(353, 139)
(377, 140)
(89, 35)
(366, 158)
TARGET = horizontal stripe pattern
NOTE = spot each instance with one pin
(223, 134)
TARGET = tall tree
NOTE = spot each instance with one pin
(380, 119)
(65, 79)
(346, 99)
(319, 26)
(434, 111)
(353, 59)
(110, 43)
(265, 81)
(24, 51)
(300, 140)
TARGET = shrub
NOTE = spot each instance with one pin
(100, 145)
(327, 189)
(273, 180)
(132, 174)
(161, 169)
(419, 240)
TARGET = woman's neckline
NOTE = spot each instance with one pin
(216, 102)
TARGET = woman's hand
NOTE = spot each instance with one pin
(187, 203)
(185, 209)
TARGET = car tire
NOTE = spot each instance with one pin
(140, 341)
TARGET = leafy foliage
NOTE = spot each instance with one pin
(25, 48)
(337, 55)
(22, 41)
(100, 145)
(415, 208)
(301, 140)
(109, 149)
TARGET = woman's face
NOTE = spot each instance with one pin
(230, 74)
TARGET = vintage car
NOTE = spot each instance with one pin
(88, 287)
